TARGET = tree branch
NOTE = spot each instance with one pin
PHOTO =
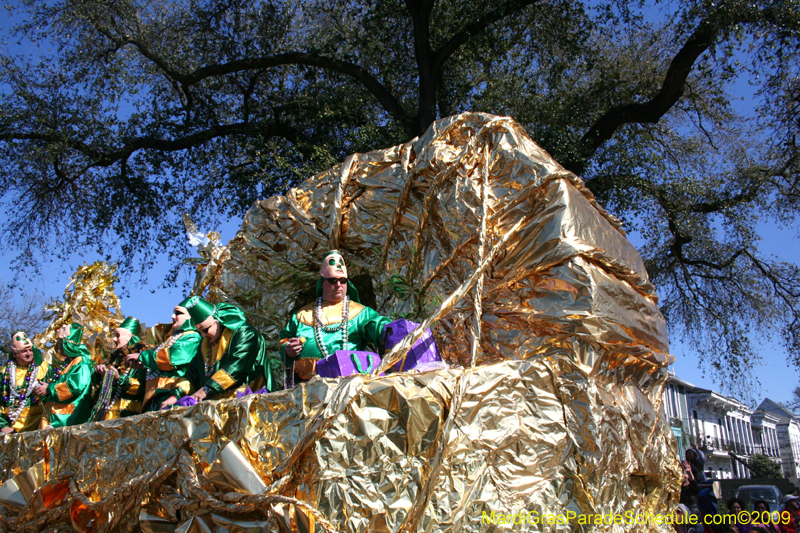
(106, 159)
(459, 38)
(420, 11)
(704, 36)
(385, 98)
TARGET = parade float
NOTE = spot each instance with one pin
(547, 416)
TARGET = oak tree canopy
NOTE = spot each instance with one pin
(119, 115)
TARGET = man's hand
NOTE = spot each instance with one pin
(7, 430)
(293, 347)
(40, 389)
(200, 395)
(101, 369)
(132, 360)
(172, 400)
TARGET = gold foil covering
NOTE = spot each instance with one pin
(552, 406)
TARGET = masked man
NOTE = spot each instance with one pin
(68, 399)
(175, 367)
(336, 321)
(121, 387)
(20, 409)
(238, 354)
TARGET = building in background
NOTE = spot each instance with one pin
(677, 410)
(728, 432)
(721, 426)
(765, 434)
(788, 436)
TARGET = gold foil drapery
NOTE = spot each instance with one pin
(551, 409)
(89, 300)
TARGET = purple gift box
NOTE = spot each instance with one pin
(347, 362)
(423, 351)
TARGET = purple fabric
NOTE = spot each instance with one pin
(347, 362)
(423, 351)
(248, 392)
(245, 392)
(186, 401)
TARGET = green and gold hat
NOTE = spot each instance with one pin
(132, 325)
(188, 324)
(73, 344)
(228, 315)
(198, 308)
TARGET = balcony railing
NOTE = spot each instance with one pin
(770, 451)
(739, 448)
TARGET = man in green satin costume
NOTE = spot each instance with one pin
(125, 384)
(238, 354)
(68, 400)
(316, 330)
(175, 367)
(20, 409)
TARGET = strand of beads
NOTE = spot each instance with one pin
(103, 400)
(57, 372)
(209, 363)
(343, 326)
(16, 399)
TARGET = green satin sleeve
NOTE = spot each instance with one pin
(371, 325)
(49, 374)
(288, 332)
(4, 421)
(179, 355)
(78, 380)
(124, 382)
(148, 359)
(236, 364)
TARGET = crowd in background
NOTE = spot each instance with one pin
(699, 511)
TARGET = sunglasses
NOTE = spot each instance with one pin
(334, 281)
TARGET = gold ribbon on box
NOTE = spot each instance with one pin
(550, 413)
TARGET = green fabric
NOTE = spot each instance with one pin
(363, 329)
(186, 360)
(128, 377)
(247, 361)
(186, 302)
(78, 379)
(229, 316)
(72, 345)
(188, 324)
(37, 356)
(5, 421)
(198, 308)
(132, 325)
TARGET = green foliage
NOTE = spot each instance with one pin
(119, 116)
(762, 466)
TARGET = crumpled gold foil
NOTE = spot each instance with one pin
(89, 299)
(552, 407)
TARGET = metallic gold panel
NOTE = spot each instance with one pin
(544, 310)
